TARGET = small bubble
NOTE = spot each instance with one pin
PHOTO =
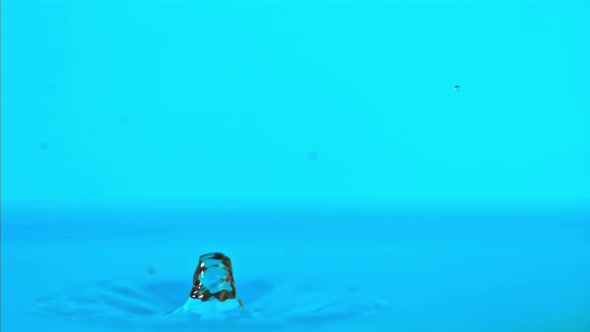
(456, 87)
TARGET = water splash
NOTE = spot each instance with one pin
(214, 278)
(213, 302)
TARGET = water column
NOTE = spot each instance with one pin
(213, 295)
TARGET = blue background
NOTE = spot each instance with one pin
(172, 103)
(325, 137)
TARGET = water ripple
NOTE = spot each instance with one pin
(159, 304)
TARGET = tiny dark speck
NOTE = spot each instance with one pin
(43, 146)
(456, 87)
(150, 270)
(125, 120)
(312, 156)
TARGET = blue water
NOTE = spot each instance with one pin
(379, 165)
(360, 270)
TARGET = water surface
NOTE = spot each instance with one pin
(328, 271)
